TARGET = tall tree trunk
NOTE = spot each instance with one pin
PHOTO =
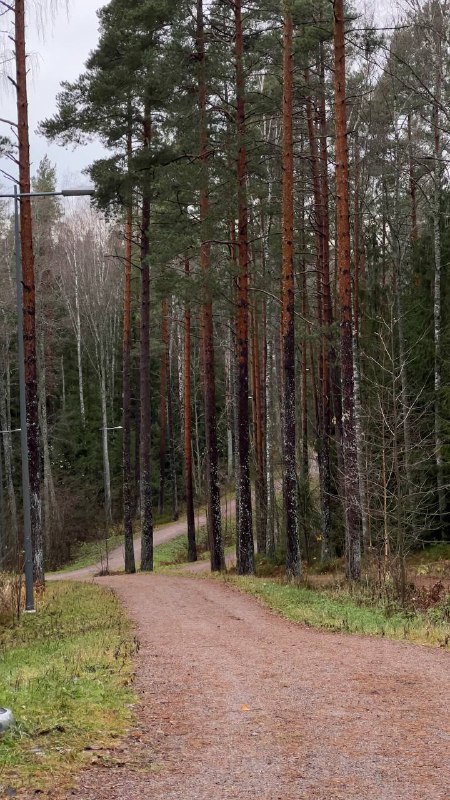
(257, 392)
(105, 448)
(437, 308)
(163, 400)
(246, 562)
(212, 457)
(326, 549)
(356, 354)
(290, 495)
(351, 481)
(320, 189)
(130, 564)
(192, 547)
(170, 428)
(29, 295)
(229, 402)
(145, 450)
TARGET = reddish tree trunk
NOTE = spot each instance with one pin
(293, 561)
(29, 295)
(192, 547)
(145, 460)
(352, 499)
(212, 458)
(245, 533)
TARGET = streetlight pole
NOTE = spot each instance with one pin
(28, 544)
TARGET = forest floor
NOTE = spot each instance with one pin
(235, 702)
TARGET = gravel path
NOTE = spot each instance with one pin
(236, 702)
(161, 534)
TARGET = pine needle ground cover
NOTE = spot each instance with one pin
(66, 672)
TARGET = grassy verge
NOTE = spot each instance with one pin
(339, 610)
(66, 673)
(87, 554)
(173, 555)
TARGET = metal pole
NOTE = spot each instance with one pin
(28, 546)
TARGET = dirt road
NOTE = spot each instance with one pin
(236, 702)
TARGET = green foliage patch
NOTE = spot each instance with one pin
(66, 674)
(341, 610)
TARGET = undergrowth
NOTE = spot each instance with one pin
(340, 609)
(66, 674)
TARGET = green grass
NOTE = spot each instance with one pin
(66, 673)
(337, 610)
(87, 554)
(171, 553)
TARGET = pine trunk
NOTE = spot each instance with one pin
(171, 430)
(130, 564)
(290, 494)
(212, 456)
(145, 429)
(29, 295)
(163, 401)
(192, 547)
(246, 564)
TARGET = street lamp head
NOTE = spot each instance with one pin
(78, 192)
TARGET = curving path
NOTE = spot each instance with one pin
(161, 534)
(235, 702)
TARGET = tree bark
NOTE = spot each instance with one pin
(192, 547)
(212, 458)
(145, 431)
(246, 562)
(290, 494)
(163, 401)
(437, 307)
(130, 564)
(170, 426)
(29, 295)
(351, 482)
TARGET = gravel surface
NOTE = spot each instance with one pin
(236, 702)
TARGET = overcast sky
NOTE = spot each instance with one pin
(60, 56)
(57, 57)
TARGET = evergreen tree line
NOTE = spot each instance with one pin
(258, 302)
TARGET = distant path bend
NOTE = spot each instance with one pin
(236, 702)
(161, 534)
